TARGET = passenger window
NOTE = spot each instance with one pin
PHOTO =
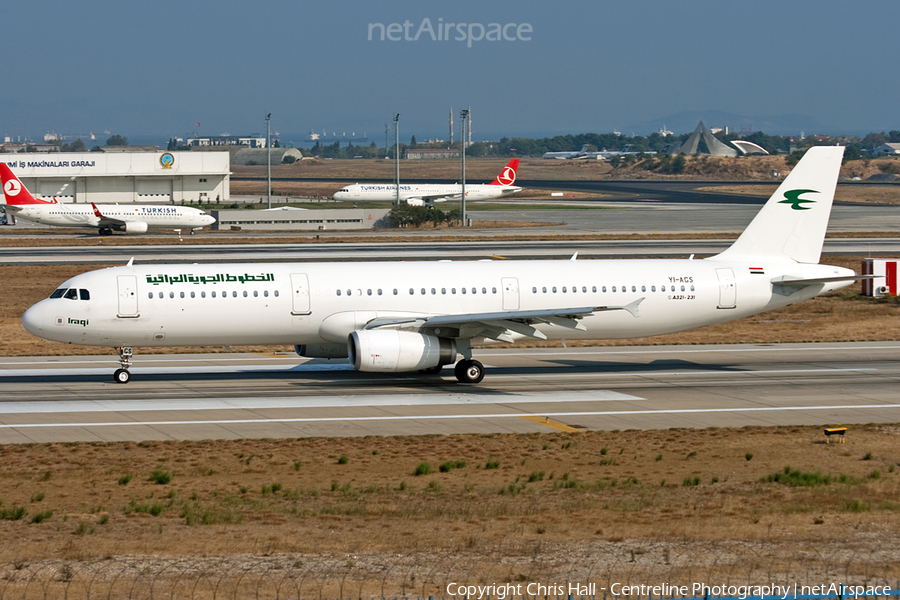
(266, 293)
(256, 293)
(613, 288)
(85, 295)
(534, 290)
(58, 293)
(554, 289)
(171, 294)
(395, 291)
(494, 290)
(150, 295)
(584, 289)
(213, 294)
(692, 288)
(245, 293)
(423, 291)
(234, 294)
(412, 292)
(369, 292)
(379, 291)
(443, 291)
(652, 288)
(682, 288)
(544, 289)
(633, 288)
(595, 289)
(192, 295)
(484, 290)
(474, 290)
(433, 291)
(275, 293)
(452, 290)
(643, 288)
(161, 295)
(463, 290)
(182, 294)
(564, 289)
(203, 294)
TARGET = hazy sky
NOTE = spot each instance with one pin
(157, 68)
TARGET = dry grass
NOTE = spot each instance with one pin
(558, 502)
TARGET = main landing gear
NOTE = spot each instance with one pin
(104, 231)
(122, 375)
(469, 371)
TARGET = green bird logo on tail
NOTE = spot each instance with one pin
(793, 198)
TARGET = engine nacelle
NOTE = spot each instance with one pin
(416, 202)
(392, 351)
(322, 350)
(135, 227)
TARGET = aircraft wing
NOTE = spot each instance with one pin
(105, 220)
(499, 325)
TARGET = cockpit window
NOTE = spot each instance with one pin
(84, 294)
(71, 294)
(58, 293)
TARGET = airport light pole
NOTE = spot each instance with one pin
(268, 161)
(397, 157)
(464, 115)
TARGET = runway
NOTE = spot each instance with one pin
(406, 251)
(228, 396)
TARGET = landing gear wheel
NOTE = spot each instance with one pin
(469, 371)
(432, 370)
(121, 376)
(104, 231)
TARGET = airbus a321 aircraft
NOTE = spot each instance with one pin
(129, 218)
(391, 317)
(426, 194)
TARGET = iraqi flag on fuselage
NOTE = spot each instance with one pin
(757, 271)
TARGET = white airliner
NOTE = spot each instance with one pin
(129, 218)
(392, 317)
(426, 194)
(585, 154)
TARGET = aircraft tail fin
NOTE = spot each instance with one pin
(508, 175)
(792, 223)
(13, 191)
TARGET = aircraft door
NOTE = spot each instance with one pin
(300, 293)
(128, 302)
(510, 287)
(727, 288)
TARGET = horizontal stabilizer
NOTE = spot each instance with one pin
(790, 281)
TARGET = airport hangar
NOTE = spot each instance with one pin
(120, 177)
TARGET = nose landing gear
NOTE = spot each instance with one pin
(122, 375)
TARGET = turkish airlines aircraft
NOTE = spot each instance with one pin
(393, 317)
(129, 218)
(426, 194)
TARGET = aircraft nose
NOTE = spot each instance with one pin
(210, 219)
(34, 319)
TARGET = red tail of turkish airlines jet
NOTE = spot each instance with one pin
(508, 175)
(16, 194)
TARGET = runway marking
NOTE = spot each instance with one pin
(675, 373)
(551, 423)
(358, 401)
(435, 417)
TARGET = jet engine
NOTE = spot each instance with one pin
(392, 351)
(416, 202)
(322, 350)
(135, 227)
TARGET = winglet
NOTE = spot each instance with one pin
(574, 256)
(130, 262)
